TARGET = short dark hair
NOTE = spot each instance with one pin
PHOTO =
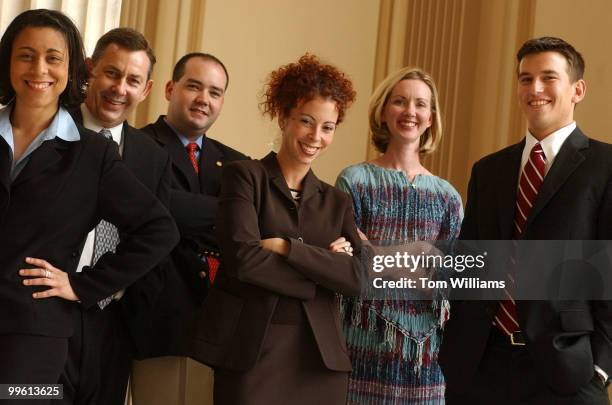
(74, 94)
(126, 38)
(179, 68)
(574, 59)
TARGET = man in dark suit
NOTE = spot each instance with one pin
(111, 333)
(195, 94)
(556, 184)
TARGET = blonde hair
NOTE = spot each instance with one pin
(378, 130)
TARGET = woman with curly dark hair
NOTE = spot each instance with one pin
(270, 326)
(57, 181)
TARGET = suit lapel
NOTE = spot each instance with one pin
(5, 166)
(570, 156)
(177, 152)
(5, 182)
(310, 187)
(47, 155)
(211, 165)
(132, 160)
(276, 176)
(508, 168)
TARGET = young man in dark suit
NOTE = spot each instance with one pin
(114, 332)
(195, 94)
(555, 184)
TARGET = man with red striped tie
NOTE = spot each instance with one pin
(195, 95)
(556, 184)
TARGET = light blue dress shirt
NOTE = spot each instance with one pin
(62, 127)
(186, 141)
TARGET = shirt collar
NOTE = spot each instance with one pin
(62, 127)
(184, 140)
(6, 130)
(550, 145)
(90, 122)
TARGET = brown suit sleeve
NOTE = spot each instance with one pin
(335, 271)
(244, 258)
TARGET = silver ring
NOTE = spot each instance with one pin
(347, 249)
(47, 273)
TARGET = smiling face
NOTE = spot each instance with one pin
(196, 99)
(117, 84)
(39, 67)
(407, 112)
(308, 130)
(546, 93)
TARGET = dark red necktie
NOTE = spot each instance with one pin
(532, 177)
(213, 262)
(192, 149)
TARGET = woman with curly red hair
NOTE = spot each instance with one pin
(270, 326)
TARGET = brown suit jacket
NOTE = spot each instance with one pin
(255, 204)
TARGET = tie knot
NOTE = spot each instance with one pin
(538, 152)
(192, 147)
(106, 133)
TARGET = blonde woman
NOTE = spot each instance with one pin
(394, 345)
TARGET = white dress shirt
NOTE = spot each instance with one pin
(90, 122)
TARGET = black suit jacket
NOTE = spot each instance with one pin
(253, 282)
(63, 192)
(194, 204)
(574, 203)
(152, 166)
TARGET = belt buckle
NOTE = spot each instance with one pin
(517, 339)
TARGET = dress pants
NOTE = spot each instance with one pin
(30, 359)
(99, 359)
(507, 376)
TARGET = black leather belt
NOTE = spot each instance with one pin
(515, 339)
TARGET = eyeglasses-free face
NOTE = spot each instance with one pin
(39, 67)
(308, 129)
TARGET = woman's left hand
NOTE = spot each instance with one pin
(341, 245)
(45, 274)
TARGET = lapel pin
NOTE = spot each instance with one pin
(219, 163)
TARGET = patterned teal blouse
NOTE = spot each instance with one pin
(394, 344)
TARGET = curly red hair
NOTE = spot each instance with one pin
(302, 81)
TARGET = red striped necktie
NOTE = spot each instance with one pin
(192, 149)
(213, 262)
(532, 177)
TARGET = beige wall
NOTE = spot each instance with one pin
(488, 95)
(252, 39)
(468, 46)
(586, 25)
